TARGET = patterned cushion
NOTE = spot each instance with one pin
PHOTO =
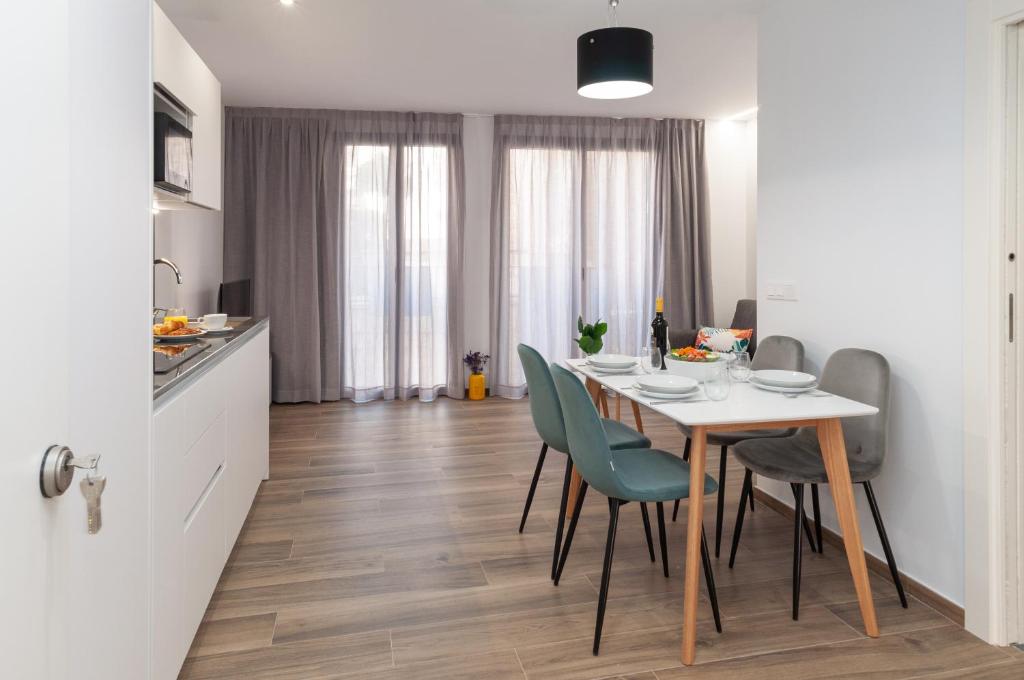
(724, 339)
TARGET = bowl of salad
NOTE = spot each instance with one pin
(693, 362)
(694, 355)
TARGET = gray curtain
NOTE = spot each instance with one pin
(349, 225)
(594, 217)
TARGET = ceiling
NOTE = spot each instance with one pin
(469, 56)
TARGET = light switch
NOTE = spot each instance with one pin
(781, 290)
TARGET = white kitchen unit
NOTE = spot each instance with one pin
(179, 70)
(210, 452)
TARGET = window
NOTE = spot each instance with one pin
(580, 227)
(395, 248)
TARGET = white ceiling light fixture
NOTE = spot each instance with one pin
(287, 3)
(615, 62)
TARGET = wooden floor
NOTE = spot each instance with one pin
(385, 546)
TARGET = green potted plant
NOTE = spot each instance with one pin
(590, 336)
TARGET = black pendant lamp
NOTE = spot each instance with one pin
(615, 62)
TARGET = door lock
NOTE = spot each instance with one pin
(58, 469)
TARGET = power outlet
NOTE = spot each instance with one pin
(781, 290)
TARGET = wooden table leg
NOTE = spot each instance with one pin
(695, 517)
(833, 450)
(636, 416)
(618, 406)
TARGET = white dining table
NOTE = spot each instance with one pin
(747, 408)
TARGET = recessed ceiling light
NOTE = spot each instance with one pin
(287, 3)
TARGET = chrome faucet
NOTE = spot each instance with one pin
(174, 267)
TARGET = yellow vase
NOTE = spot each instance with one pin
(477, 386)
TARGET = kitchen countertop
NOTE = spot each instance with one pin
(167, 384)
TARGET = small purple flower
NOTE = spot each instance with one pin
(476, 361)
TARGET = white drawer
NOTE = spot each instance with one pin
(204, 401)
(203, 459)
(205, 553)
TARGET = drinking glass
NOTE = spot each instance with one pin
(717, 383)
(176, 314)
(739, 367)
(650, 358)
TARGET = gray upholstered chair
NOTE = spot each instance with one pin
(547, 419)
(776, 352)
(744, 317)
(647, 475)
(858, 374)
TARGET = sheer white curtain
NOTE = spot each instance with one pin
(395, 332)
(543, 247)
(574, 206)
(618, 231)
(350, 225)
(590, 216)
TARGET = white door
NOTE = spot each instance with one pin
(1013, 354)
(75, 254)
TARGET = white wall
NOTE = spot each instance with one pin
(193, 240)
(731, 153)
(860, 202)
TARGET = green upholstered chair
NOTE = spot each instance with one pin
(547, 419)
(624, 475)
(858, 374)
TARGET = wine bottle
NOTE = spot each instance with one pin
(659, 328)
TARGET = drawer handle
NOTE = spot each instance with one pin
(202, 497)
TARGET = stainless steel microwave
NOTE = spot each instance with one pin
(172, 154)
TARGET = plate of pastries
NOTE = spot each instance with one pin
(176, 330)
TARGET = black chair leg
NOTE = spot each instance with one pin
(709, 580)
(751, 500)
(661, 537)
(797, 548)
(606, 575)
(647, 530)
(561, 514)
(720, 511)
(533, 486)
(577, 508)
(686, 457)
(748, 482)
(817, 518)
(889, 557)
(804, 521)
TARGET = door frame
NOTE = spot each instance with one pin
(992, 543)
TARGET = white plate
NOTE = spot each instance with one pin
(667, 383)
(611, 360)
(601, 370)
(671, 397)
(785, 390)
(179, 338)
(664, 395)
(783, 378)
(222, 329)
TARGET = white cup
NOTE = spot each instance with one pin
(213, 322)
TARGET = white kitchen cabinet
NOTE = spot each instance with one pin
(211, 450)
(248, 462)
(181, 72)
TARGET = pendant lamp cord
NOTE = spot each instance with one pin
(613, 19)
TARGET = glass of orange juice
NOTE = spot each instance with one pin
(176, 314)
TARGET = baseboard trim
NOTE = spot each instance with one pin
(937, 602)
